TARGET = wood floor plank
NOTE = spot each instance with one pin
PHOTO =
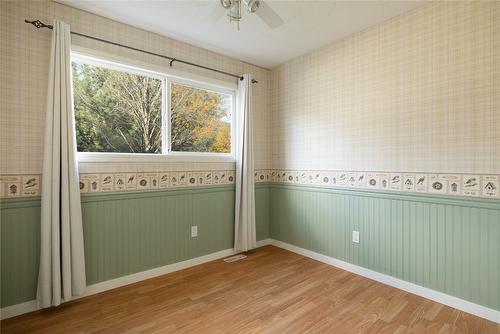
(271, 291)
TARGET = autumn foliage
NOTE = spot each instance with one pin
(122, 112)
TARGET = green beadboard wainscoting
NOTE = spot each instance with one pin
(448, 244)
(125, 233)
(20, 238)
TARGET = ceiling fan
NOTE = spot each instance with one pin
(264, 12)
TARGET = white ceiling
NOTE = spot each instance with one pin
(308, 24)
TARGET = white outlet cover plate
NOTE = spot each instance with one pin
(355, 237)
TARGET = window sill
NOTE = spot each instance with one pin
(177, 157)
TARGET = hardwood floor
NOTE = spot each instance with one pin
(271, 291)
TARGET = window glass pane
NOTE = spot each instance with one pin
(116, 111)
(200, 120)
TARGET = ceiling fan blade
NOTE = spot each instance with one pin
(268, 15)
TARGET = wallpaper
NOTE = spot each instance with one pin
(24, 70)
(418, 93)
(415, 97)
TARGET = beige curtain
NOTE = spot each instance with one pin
(244, 229)
(62, 263)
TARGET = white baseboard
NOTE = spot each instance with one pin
(133, 278)
(143, 275)
(18, 309)
(463, 305)
(460, 304)
(30, 306)
(264, 242)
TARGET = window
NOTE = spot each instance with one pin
(200, 119)
(122, 109)
(116, 110)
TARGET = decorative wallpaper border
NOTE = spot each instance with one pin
(20, 185)
(104, 182)
(30, 185)
(440, 184)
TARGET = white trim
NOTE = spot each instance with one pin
(460, 304)
(264, 242)
(31, 306)
(201, 85)
(101, 157)
(115, 66)
(165, 116)
(18, 309)
(210, 155)
(230, 83)
(167, 78)
(143, 275)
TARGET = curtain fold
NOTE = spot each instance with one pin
(62, 262)
(244, 227)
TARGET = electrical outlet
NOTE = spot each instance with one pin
(355, 237)
(194, 231)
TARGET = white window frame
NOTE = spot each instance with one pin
(186, 82)
(167, 79)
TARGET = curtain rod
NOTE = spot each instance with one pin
(38, 24)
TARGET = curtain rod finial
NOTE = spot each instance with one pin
(38, 24)
(253, 80)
